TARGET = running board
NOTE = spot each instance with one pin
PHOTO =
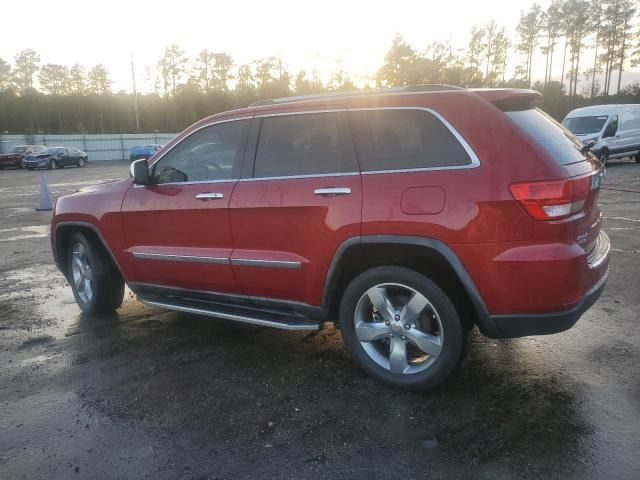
(270, 315)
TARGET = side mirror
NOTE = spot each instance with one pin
(139, 171)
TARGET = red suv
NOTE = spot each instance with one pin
(406, 216)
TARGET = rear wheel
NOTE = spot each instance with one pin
(401, 328)
(97, 286)
(636, 157)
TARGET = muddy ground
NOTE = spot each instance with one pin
(152, 394)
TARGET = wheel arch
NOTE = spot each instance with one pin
(426, 255)
(60, 241)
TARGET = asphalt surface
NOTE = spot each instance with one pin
(146, 393)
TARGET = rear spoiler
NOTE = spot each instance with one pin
(510, 99)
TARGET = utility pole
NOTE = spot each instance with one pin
(135, 95)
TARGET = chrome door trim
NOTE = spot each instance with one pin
(181, 258)
(333, 191)
(251, 262)
(228, 316)
(194, 182)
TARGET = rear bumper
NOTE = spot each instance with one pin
(522, 325)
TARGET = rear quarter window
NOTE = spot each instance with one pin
(405, 139)
(550, 135)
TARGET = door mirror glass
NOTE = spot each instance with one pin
(140, 172)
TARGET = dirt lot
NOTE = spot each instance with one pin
(154, 394)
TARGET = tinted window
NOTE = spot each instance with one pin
(403, 139)
(212, 153)
(585, 125)
(306, 144)
(559, 142)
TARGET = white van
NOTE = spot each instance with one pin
(610, 131)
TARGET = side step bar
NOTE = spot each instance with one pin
(275, 314)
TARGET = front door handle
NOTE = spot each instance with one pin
(333, 191)
(209, 196)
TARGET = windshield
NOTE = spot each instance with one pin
(17, 150)
(585, 125)
(50, 151)
(559, 143)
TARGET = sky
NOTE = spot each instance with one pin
(303, 34)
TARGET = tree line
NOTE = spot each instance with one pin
(591, 43)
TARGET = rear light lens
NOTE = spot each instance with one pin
(553, 200)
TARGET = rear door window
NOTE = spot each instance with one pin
(304, 144)
(550, 135)
(405, 139)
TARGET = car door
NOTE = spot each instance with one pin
(177, 230)
(298, 200)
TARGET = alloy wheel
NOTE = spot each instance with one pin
(398, 328)
(81, 272)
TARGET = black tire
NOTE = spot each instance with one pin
(29, 168)
(636, 157)
(604, 157)
(107, 284)
(52, 165)
(453, 333)
(82, 162)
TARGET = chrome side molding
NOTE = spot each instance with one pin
(249, 262)
(333, 191)
(181, 258)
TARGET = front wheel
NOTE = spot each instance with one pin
(82, 162)
(52, 164)
(636, 157)
(97, 285)
(401, 328)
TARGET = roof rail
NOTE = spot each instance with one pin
(357, 93)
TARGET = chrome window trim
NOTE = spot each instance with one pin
(319, 175)
(195, 182)
(251, 262)
(164, 152)
(475, 161)
(181, 258)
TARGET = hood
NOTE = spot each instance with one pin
(97, 187)
(588, 136)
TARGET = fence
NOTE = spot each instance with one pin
(98, 147)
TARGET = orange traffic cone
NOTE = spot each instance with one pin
(45, 196)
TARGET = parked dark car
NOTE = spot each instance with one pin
(407, 216)
(14, 156)
(143, 152)
(55, 157)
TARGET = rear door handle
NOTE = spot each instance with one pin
(209, 196)
(333, 191)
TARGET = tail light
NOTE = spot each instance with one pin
(555, 199)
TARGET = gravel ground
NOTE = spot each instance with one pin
(147, 393)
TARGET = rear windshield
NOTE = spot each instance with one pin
(585, 125)
(558, 142)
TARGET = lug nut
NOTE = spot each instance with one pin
(387, 323)
(407, 326)
(397, 317)
(403, 337)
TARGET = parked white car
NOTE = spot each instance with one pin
(610, 131)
